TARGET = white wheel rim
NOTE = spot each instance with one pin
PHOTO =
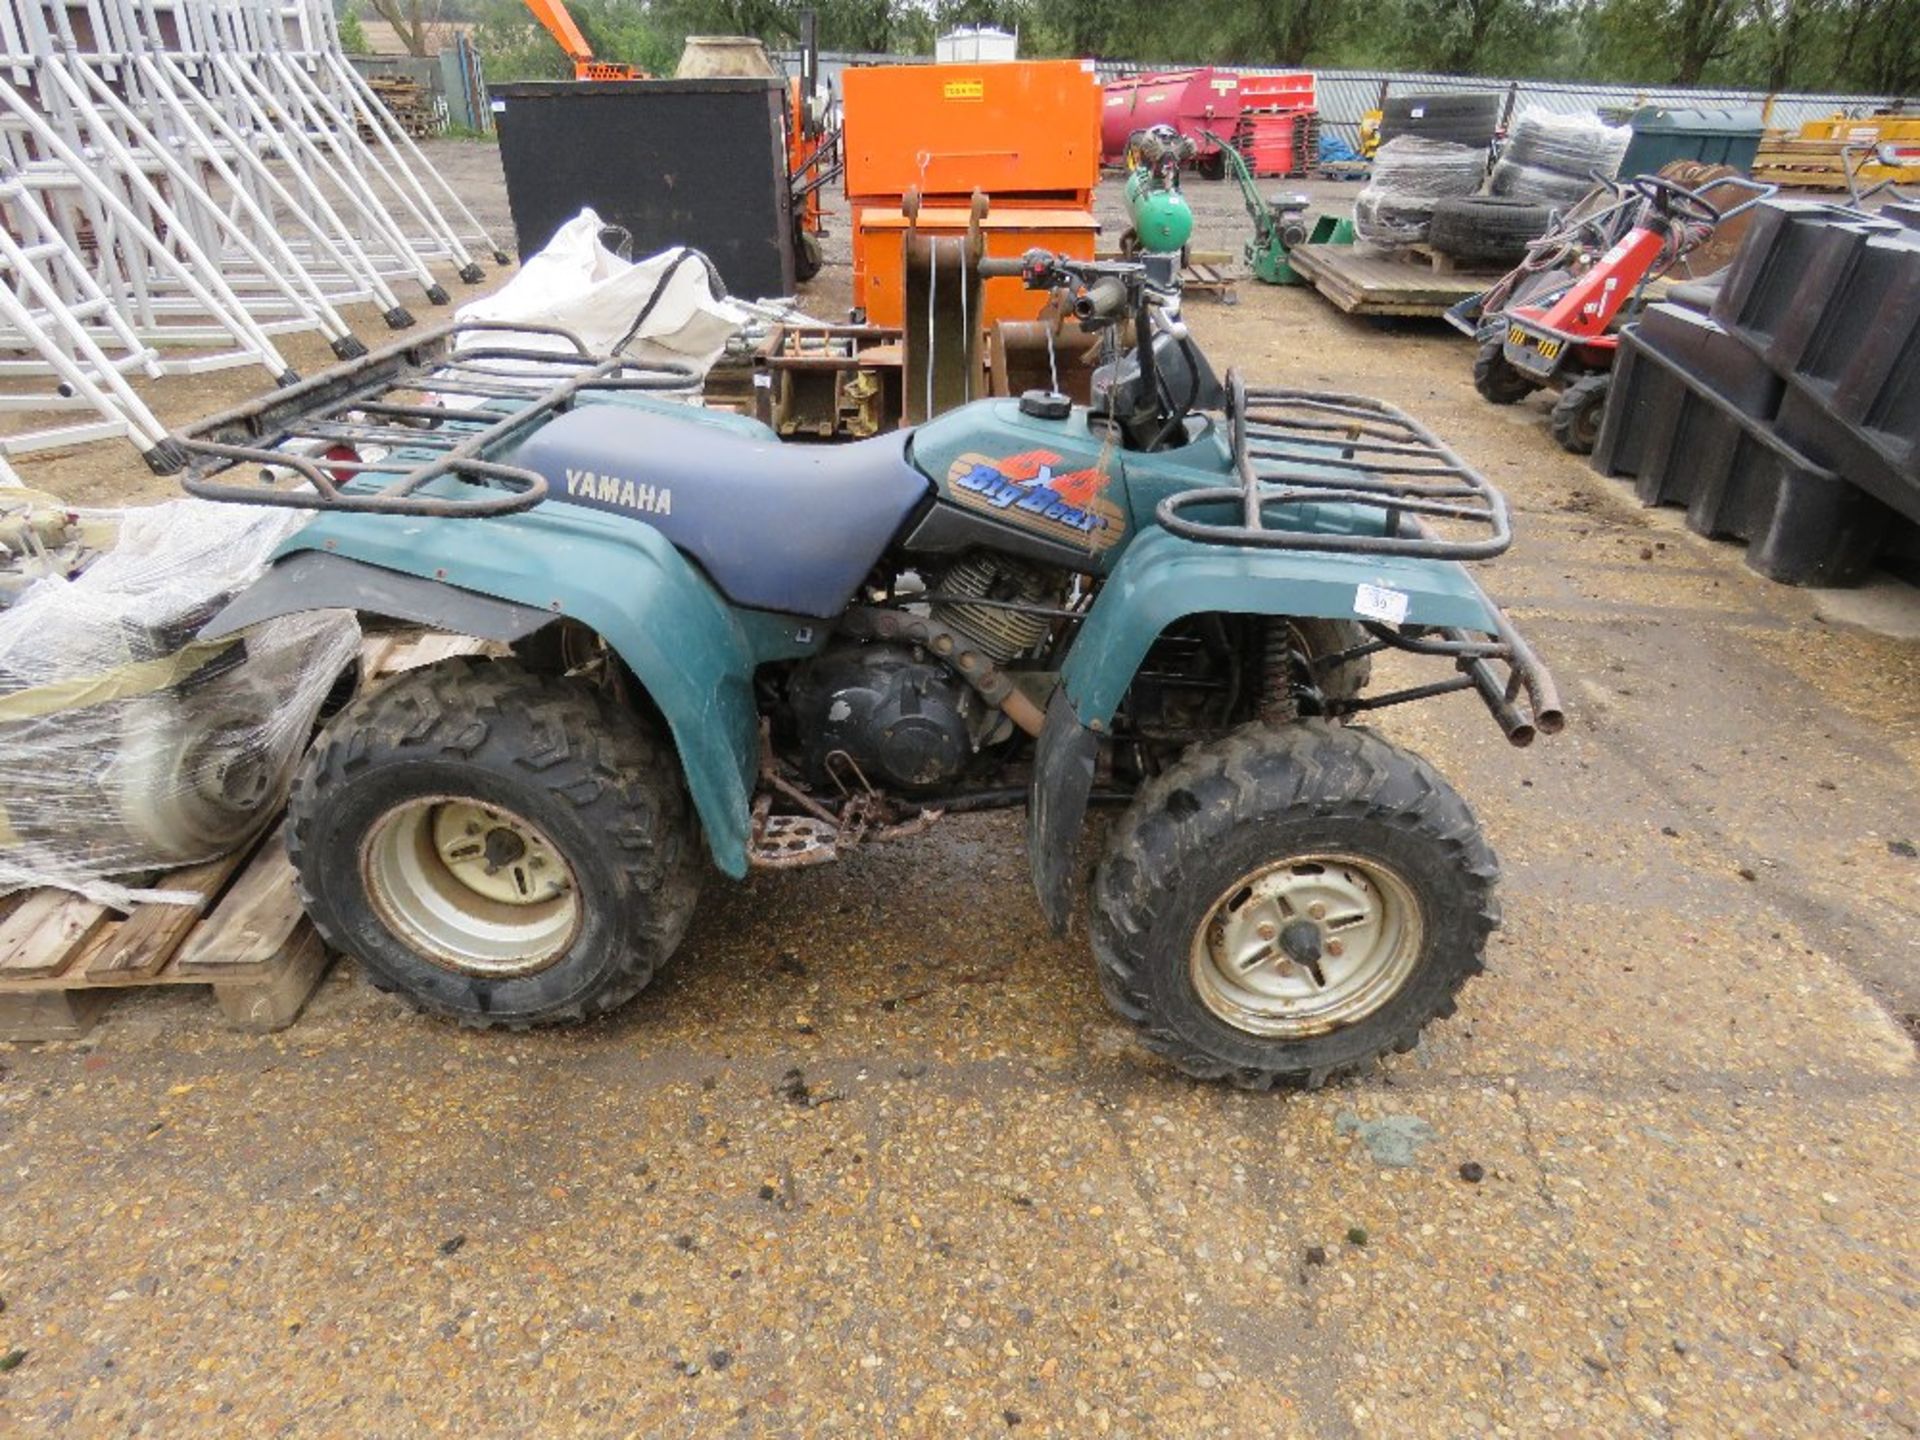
(1306, 945)
(471, 887)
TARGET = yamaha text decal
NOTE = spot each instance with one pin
(1026, 489)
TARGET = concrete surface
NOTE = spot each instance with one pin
(871, 1157)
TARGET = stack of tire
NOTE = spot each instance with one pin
(1411, 175)
(1455, 118)
(1489, 230)
(1553, 159)
(1548, 164)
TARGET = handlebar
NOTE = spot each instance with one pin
(1676, 200)
(1102, 300)
(1099, 291)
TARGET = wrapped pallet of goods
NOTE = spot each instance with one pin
(1553, 159)
(130, 745)
(1410, 175)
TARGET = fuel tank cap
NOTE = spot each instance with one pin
(1045, 405)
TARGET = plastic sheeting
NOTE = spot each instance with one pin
(668, 309)
(1553, 159)
(1409, 174)
(126, 745)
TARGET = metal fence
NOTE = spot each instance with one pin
(184, 181)
(1345, 95)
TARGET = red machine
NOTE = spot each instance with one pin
(1191, 101)
(1561, 334)
(1271, 119)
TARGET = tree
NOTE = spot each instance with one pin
(410, 20)
(353, 39)
(858, 25)
(1781, 29)
(1700, 31)
(1880, 45)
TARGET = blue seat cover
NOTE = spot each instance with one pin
(777, 527)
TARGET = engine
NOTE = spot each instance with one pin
(907, 723)
(1001, 632)
(903, 717)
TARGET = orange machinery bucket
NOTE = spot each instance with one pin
(879, 276)
(1024, 132)
(1007, 127)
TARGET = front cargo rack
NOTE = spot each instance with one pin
(1294, 449)
(1297, 449)
(423, 409)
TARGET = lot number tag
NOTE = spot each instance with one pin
(1377, 602)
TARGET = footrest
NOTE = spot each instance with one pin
(786, 842)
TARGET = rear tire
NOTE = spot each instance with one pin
(1392, 899)
(1495, 377)
(501, 847)
(807, 256)
(1578, 412)
(1490, 228)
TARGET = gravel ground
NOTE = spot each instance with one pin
(871, 1157)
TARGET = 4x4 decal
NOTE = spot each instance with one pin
(1031, 490)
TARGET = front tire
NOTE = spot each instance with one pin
(1287, 904)
(1495, 377)
(503, 848)
(1576, 416)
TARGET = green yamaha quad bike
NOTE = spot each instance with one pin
(720, 651)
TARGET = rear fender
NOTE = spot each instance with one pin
(1162, 579)
(502, 578)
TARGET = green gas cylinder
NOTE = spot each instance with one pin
(1162, 219)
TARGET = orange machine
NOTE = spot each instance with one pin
(1024, 132)
(553, 15)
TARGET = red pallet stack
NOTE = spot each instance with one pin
(1279, 129)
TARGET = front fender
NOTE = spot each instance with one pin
(685, 645)
(1163, 578)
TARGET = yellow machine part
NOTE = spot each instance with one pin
(1369, 133)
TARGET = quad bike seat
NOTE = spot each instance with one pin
(793, 528)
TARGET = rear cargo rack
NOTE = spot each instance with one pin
(1297, 449)
(418, 411)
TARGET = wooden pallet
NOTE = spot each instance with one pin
(1368, 282)
(410, 104)
(1443, 264)
(1804, 164)
(64, 957)
(1816, 163)
(1199, 279)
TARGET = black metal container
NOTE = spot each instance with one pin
(674, 162)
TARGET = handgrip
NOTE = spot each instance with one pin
(1101, 300)
(1007, 269)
